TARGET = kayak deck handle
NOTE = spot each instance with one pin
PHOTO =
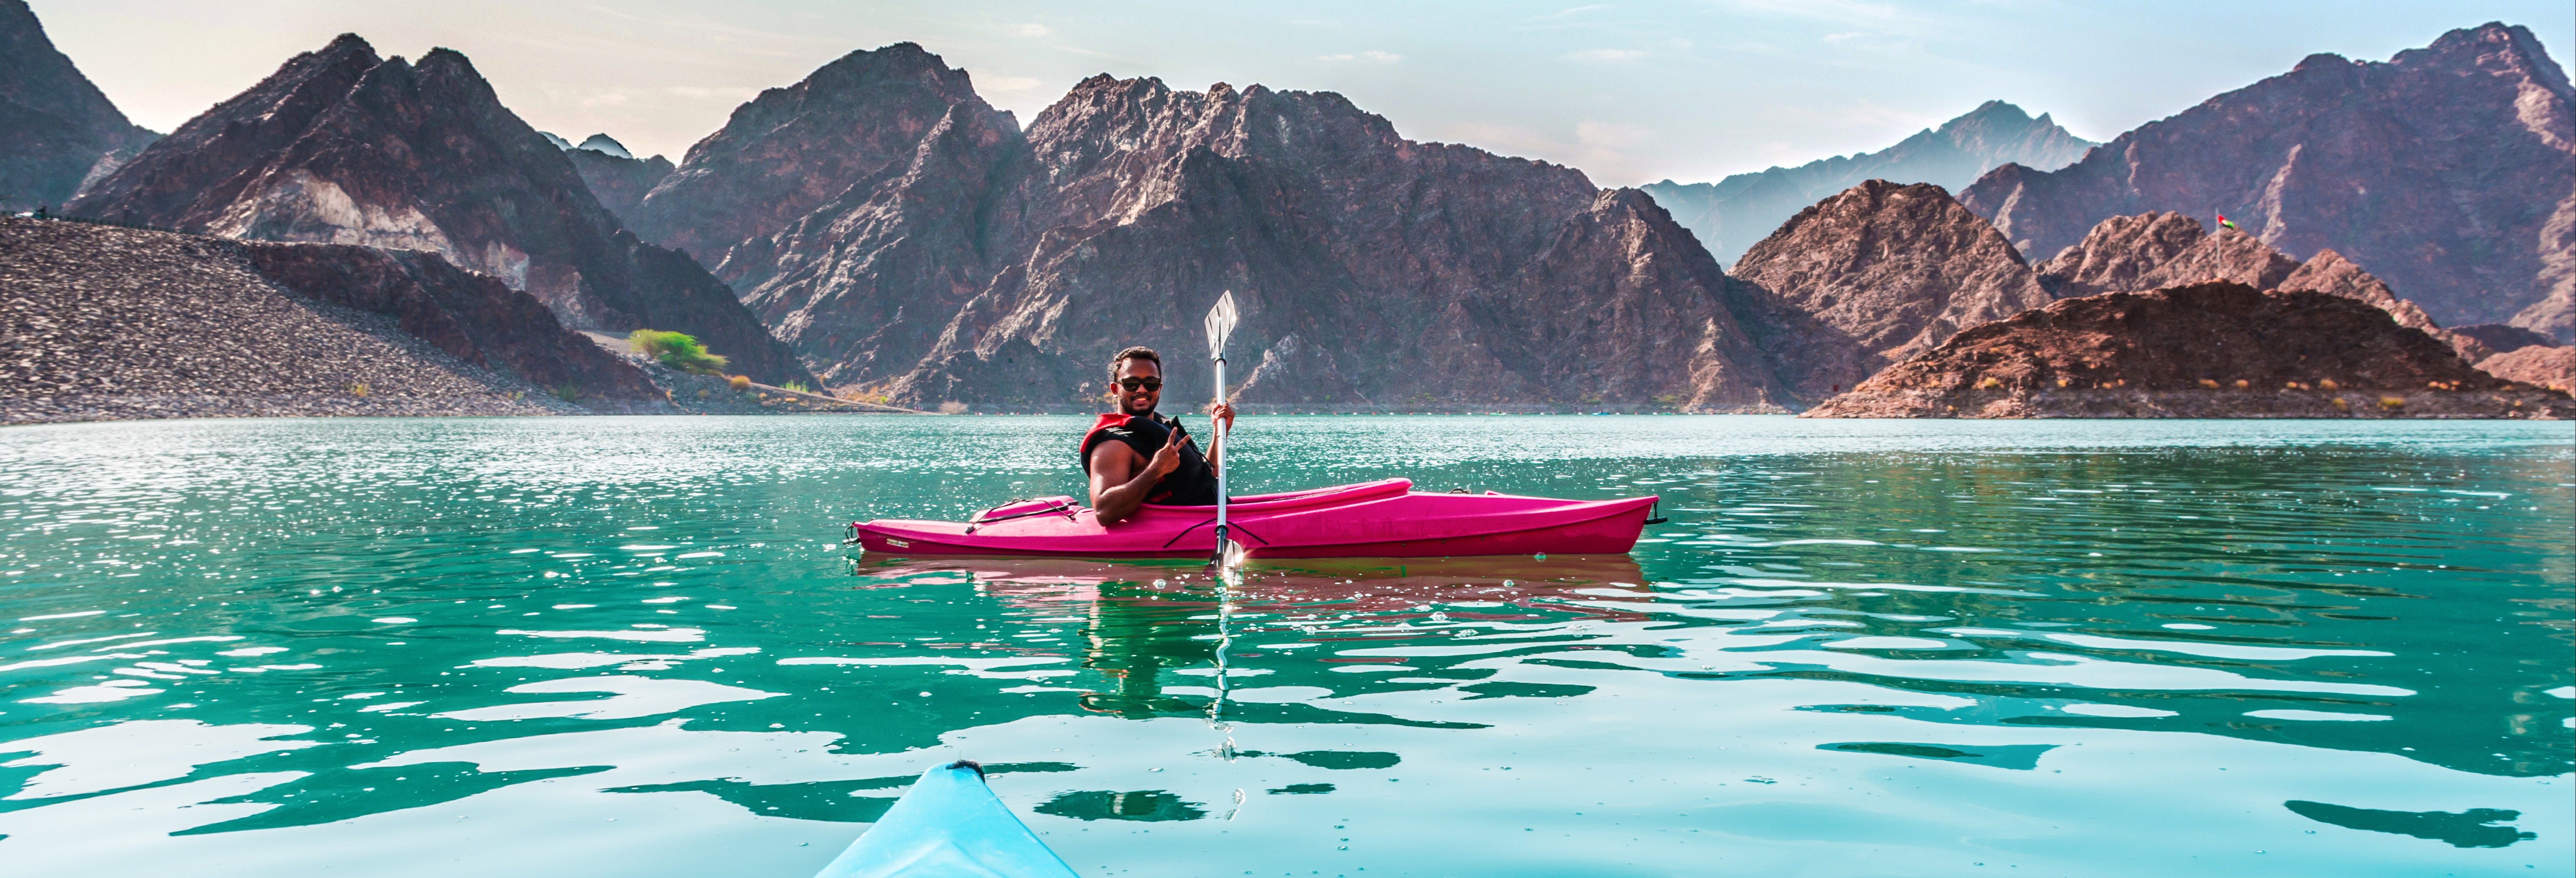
(1069, 510)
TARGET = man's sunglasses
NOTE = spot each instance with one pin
(1141, 383)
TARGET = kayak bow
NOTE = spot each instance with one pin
(948, 825)
(1386, 519)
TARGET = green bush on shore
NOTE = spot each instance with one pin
(677, 350)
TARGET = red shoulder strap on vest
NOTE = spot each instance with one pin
(1107, 421)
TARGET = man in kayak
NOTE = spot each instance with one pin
(1135, 456)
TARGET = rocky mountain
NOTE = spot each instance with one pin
(2157, 250)
(1732, 214)
(2450, 170)
(2163, 249)
(1376, 271)
(619, 183)
(2505, 338)
(863, 284)
(791, 150)
(2549, 366)
(56, 129)
(341, 146)
(605, 145)
(1874, 276)
(2214, 350)
(107, 323)
(972, 260)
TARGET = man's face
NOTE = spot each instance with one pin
(1135, 396)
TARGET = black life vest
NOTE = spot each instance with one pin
(1191, 484)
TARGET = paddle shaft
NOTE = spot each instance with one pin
(1219, 450)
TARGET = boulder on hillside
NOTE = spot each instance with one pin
(2218, 350)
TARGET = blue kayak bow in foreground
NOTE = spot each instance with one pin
(948, 825)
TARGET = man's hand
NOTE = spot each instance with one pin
(1167, 458)
(1223, 412)
(1121, 478)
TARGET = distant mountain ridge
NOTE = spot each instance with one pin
(341, 146)
(2450, 171)
(1731, 214)
(57, 130)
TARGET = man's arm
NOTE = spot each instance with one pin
(1223, 415)
(1120, 478)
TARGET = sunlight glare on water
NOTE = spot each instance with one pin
(634, 646)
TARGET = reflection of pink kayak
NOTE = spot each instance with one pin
(1369, 520)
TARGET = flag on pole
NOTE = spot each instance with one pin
(2224, 224)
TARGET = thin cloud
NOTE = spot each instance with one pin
(1605, 56)
(1033, 30)
(1371, 56)
(1568, 13)
(1608, 135)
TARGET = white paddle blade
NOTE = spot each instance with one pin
(1220, 323)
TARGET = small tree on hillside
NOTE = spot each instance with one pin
(677, 350)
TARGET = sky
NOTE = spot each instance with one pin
(1629, 93)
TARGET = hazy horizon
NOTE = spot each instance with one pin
(1628, 93)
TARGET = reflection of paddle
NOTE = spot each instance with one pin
(1220, 323)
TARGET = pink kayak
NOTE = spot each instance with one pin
(1385, 519)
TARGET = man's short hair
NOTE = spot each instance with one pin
(1139, 352)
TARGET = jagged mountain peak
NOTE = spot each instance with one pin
(605, 144)
(346, 43)
(851, 77)
(1731, 214)
(793, 149)
(1104, 115)
(1995, 112)
(57, 130)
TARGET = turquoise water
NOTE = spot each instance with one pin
(633, 646)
